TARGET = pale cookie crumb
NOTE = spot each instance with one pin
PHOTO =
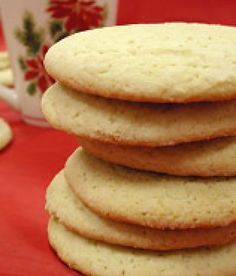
(5, 134)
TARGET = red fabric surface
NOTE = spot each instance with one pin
(37, 154)
(26, 168)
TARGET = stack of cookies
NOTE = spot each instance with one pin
(152, 190)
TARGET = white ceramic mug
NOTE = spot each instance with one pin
(30, 28)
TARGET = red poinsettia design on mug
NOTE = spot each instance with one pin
(66, 17)
(35, 70)
(78, 15)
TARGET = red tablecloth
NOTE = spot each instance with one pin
(26, 168)
(36, 154)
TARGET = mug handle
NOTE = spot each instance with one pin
(10, 96)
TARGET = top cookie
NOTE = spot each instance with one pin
(170, 62)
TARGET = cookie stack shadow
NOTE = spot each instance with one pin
(151, 190)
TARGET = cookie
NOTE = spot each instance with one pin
(171, 62)
(6, 77)
(207, 158)
(62, 203)
(5, 134)
(96, 258)
(137, 123)
(4, 60)
(149, 199)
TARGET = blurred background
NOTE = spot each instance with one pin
(153, 11)
(28, 164)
